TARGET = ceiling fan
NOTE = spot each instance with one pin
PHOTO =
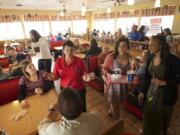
(116, 2)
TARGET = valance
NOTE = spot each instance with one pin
(162, 11)
(9, 18)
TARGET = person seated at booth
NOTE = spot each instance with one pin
(32, 82)
(93, 49)
(143, 33)
(102, 56)
(74, 121)
(3, 76)
(59, 37)
(78, 48)
(14, 59)
(134, 35)
(168, 35)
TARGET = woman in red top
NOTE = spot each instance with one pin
(72, 71)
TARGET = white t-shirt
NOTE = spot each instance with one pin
(85, 124)
(43, 45)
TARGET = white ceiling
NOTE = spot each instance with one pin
(73, 5)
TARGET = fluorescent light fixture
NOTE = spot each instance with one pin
(83, 13)
(109, 10)
(83, 9)
(157, 3)
(130, 2)
(62, 13)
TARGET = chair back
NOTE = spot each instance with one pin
(55, 44)
(1, 51)
(9, 90)
(92, 64)
(4, 62)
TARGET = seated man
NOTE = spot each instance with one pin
(14, 59)
(134, 35)
(74, 122)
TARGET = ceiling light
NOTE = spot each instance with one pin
(62, 13)
(83, 8)
(83, 13)
(130, 2)
(157, 3)
(109, 10)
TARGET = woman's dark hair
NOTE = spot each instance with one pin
(168, 31)
(116, 52)
(68, 43)
(141, 29)
(36, 35)
(164, 46)
(70, 104)
(93, 44)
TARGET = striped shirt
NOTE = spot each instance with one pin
(31, 86)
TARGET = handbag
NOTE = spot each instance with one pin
(152, 93)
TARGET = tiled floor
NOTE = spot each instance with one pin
(96, 102)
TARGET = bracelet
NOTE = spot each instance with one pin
(51, 110)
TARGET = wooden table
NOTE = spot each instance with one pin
(27, 125)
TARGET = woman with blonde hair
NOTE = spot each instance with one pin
(33, 81)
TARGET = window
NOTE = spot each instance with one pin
(105, 24)
(79, 27)
(60, 26)
(11, 30)
(42, 27)
(126, 23)
(154, 23)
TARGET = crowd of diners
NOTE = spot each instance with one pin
(157, 70)
(133, 35)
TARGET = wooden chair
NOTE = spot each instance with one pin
(116, 129)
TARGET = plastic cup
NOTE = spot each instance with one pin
(130, 76)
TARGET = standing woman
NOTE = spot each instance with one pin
(43, 51)
(118, 60)
(72, 72)
(160, 88)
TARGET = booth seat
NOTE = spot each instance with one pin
(1, 51)
(4, 62)
(9, 90)
(97, 83)
(133, 106)
(55, 44)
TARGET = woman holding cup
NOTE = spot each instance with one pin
(117, 62)
(162, 75)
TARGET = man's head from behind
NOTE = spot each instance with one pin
(70, 104)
